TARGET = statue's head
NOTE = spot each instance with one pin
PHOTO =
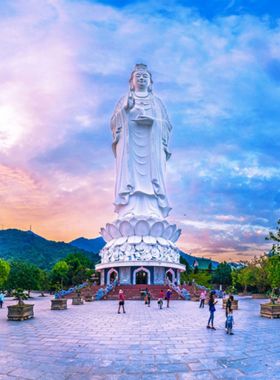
(141, 78)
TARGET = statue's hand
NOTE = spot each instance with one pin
(145, 120)
(130, 103)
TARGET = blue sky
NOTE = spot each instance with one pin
(215, 65)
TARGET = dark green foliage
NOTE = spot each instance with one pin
(195, 271)
(222, 274)
(72, 270)
(20, 245)
(184, 261)
(23, 275)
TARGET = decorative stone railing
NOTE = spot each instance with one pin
(181, 292)
(101, 293)
(63, 292)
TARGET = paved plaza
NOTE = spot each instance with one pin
(92, 341)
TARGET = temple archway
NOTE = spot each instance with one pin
(142, 276)
(111, 276)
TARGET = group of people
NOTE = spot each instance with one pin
(147, 299)
(229, 312)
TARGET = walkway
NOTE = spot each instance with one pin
(92, 341)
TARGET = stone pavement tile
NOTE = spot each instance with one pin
(77, 369)
(201, 365)
(30, 374)
(64, 354)
(6, 368)
(39, 353)
(70, 361)
(202, 375)
(159, 376)
(86, 377)
(6, 377)
(178, 367)
(258, 368)
(98, 363)
(114, 367)
(22, 364)
(123, 377)
(42, 359)
(232, 363)
(141, 357)
(54, 376)
(89, 356)
(137, 368)
(53, 368)
(227, 373)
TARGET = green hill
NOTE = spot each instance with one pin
(24, 245)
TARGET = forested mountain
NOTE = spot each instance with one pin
(23, 245)
(93, 245)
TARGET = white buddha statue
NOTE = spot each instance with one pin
(141, 129)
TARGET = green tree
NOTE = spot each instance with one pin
(59, 273)
(202, 278)
(4, 271)
(222, 274)
(195, 271)
(274, 274)
(44, 281)
(22, 275)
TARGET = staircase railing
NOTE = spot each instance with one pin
(181, 292)
(101, 292)
(63, 292)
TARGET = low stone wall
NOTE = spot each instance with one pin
(259, 297)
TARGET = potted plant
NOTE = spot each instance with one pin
(88, 297)
(21, 311)
(271, 309)
(58, 303)
(78, 299)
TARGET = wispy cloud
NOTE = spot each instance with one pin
(65, 64)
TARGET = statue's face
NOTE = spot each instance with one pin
(141, 80)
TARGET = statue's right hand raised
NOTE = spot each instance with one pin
(130, 103)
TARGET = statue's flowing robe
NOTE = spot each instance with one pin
(141, 153)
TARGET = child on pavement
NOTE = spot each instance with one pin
(230, 322)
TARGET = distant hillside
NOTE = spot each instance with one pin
(202, 262)
(93, 245)
(16, 244)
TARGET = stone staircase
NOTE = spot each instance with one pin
(132, 292)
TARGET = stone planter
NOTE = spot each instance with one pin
(244, 294)
(77, 301)
(89, 299)
(234, 304)
(60, 304)
(20, 312)
(270, 311)
(260, 297)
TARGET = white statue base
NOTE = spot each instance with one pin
(140, 244)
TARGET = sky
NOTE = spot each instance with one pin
(64, 65)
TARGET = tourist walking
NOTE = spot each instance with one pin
(228, 307)
(212, 310)
(168, 296)
(160, 299)
(149, 298)
(1, 300)
(230, 322)
(121, 301)
(202, 298)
